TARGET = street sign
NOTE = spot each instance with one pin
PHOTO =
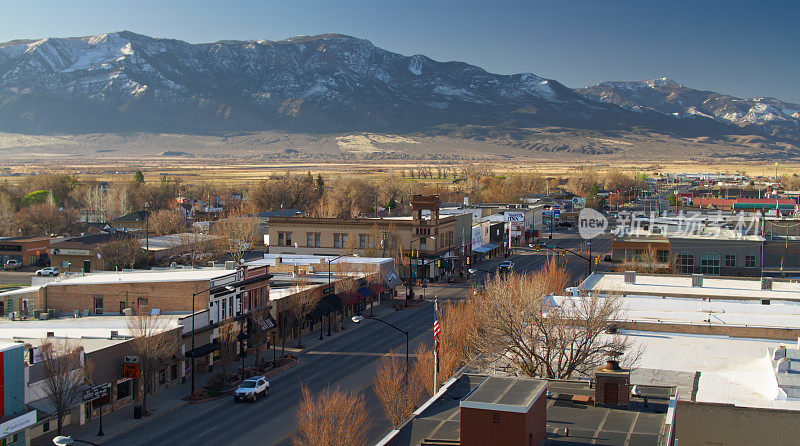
(94, 392)
(130, 359)
(130, 370)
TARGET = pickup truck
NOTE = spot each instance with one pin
(251, 389)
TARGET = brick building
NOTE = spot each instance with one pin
(31, 251)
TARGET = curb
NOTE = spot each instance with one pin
(137, 423)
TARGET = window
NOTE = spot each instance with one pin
(344, 240)
(662, 256)
(142, 301)
(64, 264)
(686, 262)
(730, 260)
(288, 239)
(223, 306)
(98, 305)
(362, 241)
(280, 239)
(124, 389)
(709, 263)
(317, 238)
(312, 239)
(230, 306)
(46, 426)
(750, 261)
(11, 439)
(336, 243)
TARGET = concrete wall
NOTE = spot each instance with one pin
(722, 424)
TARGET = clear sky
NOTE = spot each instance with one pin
(745, 48)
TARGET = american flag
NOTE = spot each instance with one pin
(436, 330)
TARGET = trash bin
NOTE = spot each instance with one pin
(137, 412)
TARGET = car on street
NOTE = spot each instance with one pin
(49, 271)
(12, 264)
(607, 258)
(251, 388)
(506, 266)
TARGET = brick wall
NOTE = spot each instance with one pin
(165, 296)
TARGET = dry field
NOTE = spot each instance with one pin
(250, 157)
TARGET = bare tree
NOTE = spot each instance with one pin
(331, 418)
(301, 304)
(227, 345)
(649, 259)
(123, 252)
(64, 376)
(260, 334)
(458, 323)
(45, 219)
(237, 233)
(522, 325)
(154, 341)
(165, 222)
(399, 399)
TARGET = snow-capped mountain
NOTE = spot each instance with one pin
(129, 82)
(669, 97)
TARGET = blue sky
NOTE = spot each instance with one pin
(744, 48)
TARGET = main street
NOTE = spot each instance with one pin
(347, 361)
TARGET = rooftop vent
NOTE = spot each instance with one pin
(766, 283)
(697, 280)
(630, 276)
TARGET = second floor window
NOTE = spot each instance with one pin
(362, 241)
(750, 261)
(337, 241)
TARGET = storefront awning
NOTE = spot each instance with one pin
(486, 248)
(365, 291)
(377, 288)
(202, 350)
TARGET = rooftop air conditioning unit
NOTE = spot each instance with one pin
(697, 280)
(766, 283)
(630, 276)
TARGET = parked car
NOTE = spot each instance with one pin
(608, 258)
(506, 266)
(251, 389)
(12, 264)
(49, 271)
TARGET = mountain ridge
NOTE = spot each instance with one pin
(124, 81)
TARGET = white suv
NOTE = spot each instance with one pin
(251, 389)
(49, 271)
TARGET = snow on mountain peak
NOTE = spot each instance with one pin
(662, 82)
(415, 64)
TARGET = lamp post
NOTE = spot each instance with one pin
(194, 316)
(359, 318)
(147, 226)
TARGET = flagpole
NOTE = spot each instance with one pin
(435, 347)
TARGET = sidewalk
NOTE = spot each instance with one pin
(171, 399)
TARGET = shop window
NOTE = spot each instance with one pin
(124, 389)
(750, 261)
(730, 260)
(46, 426)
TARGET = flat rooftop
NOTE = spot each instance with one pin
(681, 286)
(439, 418)
(696, 311)
(172, 275)
(69, 327)
(509, 394)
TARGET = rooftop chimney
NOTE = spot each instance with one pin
(612, 382)
(630, 276)
(766, 283)
(697, 280)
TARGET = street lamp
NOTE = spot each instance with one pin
(194, 316)
(358, 318)
(65, 441)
